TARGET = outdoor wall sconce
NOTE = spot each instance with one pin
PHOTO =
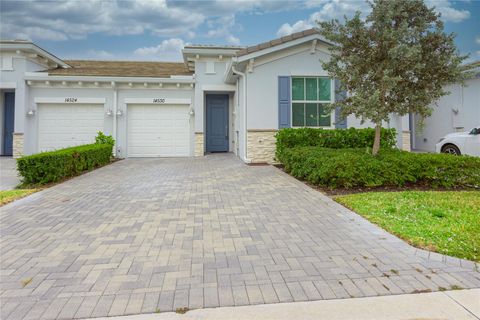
(192, 112)
(109, 112)
(119, 113)
(31, 112)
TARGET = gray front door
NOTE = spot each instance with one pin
(217, 122)
(8, 121)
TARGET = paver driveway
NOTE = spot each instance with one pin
(144, 235)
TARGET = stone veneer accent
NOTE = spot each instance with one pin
(261, 145)
(17, 145)
(199, 144)
(406, 141)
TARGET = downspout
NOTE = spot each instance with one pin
(115, 101)
(244, 78)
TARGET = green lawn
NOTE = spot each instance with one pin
(11, 195)
(443, 221)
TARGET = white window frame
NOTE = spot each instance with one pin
(332, 99)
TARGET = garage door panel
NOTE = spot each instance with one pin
(158, 131)
(65, 125)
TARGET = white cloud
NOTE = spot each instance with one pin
(337, 9)
(477, 40)
(71, 19)
(222, 28)
(167, 50)
(231, 39)
(328, 10)
(298, 26)
(30, 33)
(75, 19)
(98, 55)
(449, 14)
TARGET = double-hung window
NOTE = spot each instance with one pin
(310, 95)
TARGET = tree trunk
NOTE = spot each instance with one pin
(376, 142)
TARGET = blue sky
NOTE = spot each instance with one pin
(157, 30)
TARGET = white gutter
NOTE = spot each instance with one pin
(41, 76)
(244, 77)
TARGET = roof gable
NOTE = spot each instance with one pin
(32, 51)
(285, 41)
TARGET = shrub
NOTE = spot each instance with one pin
(336, 139)
(101, 138)
(53, 166)
(354, 168)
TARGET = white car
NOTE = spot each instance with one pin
(459, 143)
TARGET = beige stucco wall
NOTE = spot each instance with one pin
(199, 144)
(17, 145)
(261, 146)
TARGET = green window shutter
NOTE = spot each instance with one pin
(298, 114)
(324, 89)
(311, 89)
(298, 88)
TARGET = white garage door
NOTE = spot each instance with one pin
(158, 130)
(66, 125)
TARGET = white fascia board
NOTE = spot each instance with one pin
(42, 76)
(8, 85)
(36, 49)
(69, 100)
(189, 54)
(228, 77)
(157, 101)
(281, 47)
(210, 51)
(180, 77)
(219, 87)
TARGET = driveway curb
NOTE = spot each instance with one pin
(437, 305)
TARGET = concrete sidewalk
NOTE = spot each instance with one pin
(455, 305)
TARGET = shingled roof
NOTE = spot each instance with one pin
(276, 42)
(122, 69)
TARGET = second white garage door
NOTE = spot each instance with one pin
(67, 125)
(158, 131)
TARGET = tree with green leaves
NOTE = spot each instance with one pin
(396, 61)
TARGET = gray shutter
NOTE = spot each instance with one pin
(283, 102)
(340, 123)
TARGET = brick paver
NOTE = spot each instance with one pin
(149, 235)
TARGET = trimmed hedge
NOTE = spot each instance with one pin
(53, 166)
(354, 168)
(332, 138)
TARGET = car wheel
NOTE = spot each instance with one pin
(451, 149)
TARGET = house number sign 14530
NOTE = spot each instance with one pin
(158, 100)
